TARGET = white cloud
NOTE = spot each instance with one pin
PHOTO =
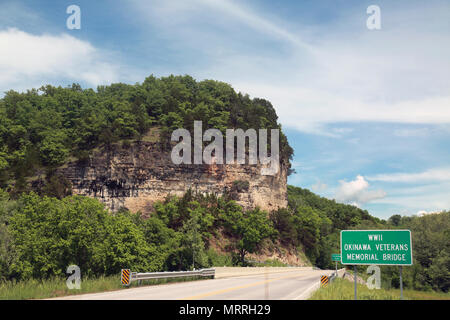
(356, 192)
(435, 174)
(28, 60)
(424, 212)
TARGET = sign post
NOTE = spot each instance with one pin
(336, 257)
(379, 247)
(401, 284)
(354, 278)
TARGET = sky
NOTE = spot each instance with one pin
(367, 111)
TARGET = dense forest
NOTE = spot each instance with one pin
(319, 222)
(40, 236)
(431, 252)
(42, 128)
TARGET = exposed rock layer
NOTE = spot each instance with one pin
(136, 176)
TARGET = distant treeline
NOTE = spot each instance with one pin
(315, 223)
(431, 252)
(43, 128)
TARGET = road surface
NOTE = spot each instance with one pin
(291, 285)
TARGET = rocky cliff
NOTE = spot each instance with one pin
(135, 175)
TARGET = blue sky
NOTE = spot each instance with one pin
(367, 111)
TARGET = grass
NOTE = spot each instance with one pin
(42, 289)
(341, 289)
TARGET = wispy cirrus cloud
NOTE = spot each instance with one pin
(430, 175)
(258, 23)
(411, 199)
(425, 191)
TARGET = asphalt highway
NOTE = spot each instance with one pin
(291, 285)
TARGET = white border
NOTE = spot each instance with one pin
(381, 264)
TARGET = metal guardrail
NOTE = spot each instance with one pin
(335, 274)
(139, 276)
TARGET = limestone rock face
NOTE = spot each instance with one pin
(137, 176)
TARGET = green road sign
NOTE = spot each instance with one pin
(335, 257)
(383, 247)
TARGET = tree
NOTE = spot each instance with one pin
(125, 246)
(192, 238)
(50, 234)
(53, 151)
(283, 222)
(308, 223)
(165, 240)
(395, 219)
(249, 229)
(8, 254)
(56, 186)
(439, 271)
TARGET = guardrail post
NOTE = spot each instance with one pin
(354, 275)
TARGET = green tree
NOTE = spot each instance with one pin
(192, 239)
(53, 151)
(308, 223)
(8, 254)
(166, 241)
(249, 229)
(125, 247)
(283, 222)
(395, 219)
(50, 234)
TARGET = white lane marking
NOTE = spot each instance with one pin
(307, 293)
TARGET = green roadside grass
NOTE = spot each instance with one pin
(341, 289)
(52, 288)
